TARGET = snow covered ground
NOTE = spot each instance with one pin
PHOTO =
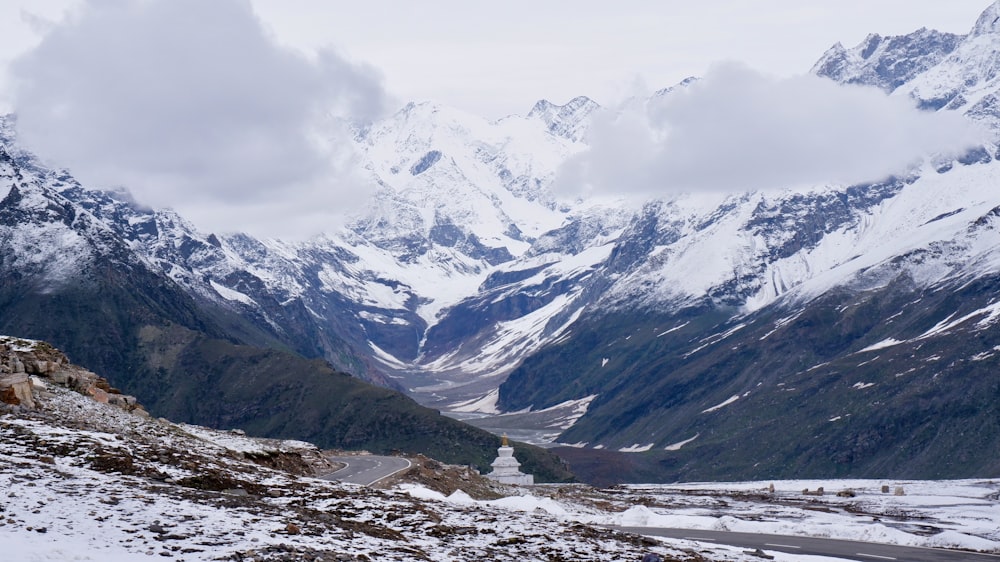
(81, 480)
(962, 514)
(945, 514)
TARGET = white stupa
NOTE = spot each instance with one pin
(505, 467)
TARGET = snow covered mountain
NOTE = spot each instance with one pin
(737, 327)
(465, 269)
(116, 293)
(456, 199)
(938, 70)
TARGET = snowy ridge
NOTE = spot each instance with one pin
(441, 167)
(47, 236)
(518, 337)
(903, 225)
(570, 120)
(938, 70)
(886, 62)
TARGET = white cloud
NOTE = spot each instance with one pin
(738, 130)
(191, 104)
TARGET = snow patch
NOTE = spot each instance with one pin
(722, 404)
(571, 410)
(21, 345)
(888, 342)
(671, 330)
(677, 446)
(385, 357)
(637, 448)
(486, 404)
(231, 294)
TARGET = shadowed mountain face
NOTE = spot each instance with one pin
(828, 389)
(829, 331)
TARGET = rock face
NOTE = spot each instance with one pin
(27, 365)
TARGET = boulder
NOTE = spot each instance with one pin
(123, 401)
(98, 394)
(15, 389)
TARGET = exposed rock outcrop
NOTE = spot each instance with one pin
(26, 366)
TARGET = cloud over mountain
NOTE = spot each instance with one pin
(194, 105)
(738, 130)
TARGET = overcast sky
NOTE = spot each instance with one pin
(234, 111)
(498, 58)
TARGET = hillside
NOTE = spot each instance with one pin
(89, 480)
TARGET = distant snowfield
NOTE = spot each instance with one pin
(961, 514)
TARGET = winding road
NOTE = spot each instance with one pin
(848, 550)
(366, 469)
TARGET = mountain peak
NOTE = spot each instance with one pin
(680, 85)
(988, 22)
(541, 106)
(569, 120)
(887, 62)
(545, 106)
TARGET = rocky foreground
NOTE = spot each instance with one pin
(87, 474)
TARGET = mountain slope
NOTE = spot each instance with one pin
(839, 330)
(825, 389)
(70, 279)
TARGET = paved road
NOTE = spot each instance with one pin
(849, 550)
(366, 469)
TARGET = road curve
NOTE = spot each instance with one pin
(366, 469)
(849, 550)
